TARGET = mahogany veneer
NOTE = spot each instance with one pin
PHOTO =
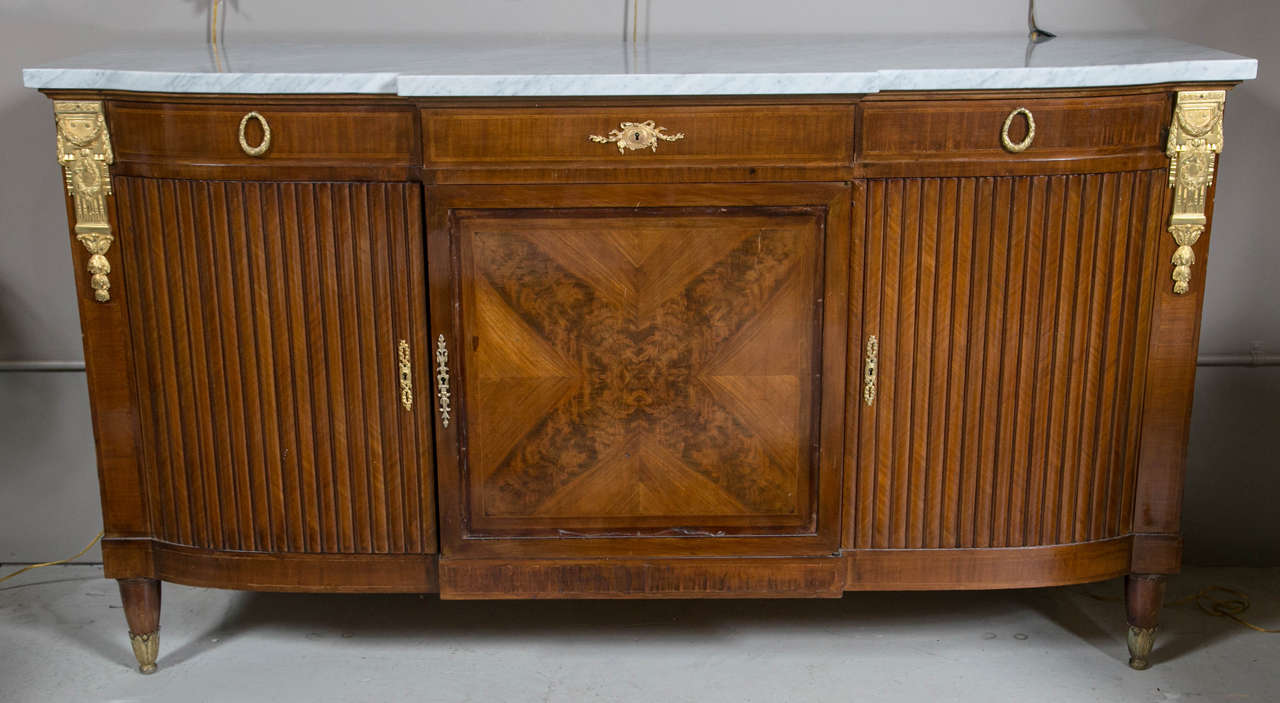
(655, 360)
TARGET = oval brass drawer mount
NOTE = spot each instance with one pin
(262, 146)
(1018, 147)
(637, 135)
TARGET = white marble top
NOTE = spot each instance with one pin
(689, 65)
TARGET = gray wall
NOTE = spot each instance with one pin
(48, 495)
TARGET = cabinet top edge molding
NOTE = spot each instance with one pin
(506, 66)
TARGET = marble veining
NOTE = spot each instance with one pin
(689, 65)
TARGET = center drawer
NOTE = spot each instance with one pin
(638, 136)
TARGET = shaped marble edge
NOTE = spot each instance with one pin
(201, 82)
(637, 84)
(1069, 76)
(583, 66)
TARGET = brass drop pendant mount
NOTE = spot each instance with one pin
(84, 150)
(1195, 140)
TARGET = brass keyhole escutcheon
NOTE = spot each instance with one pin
(871, 371)
(637, 135)
(442, 379)
(262, 146)
(1018, 147)
(406, 375)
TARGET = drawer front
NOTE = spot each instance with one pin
(968, 128)
(639, 136)
(237, 133)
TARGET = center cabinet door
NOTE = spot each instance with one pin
(639, 370)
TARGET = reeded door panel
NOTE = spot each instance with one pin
(1012, 318)
(636, 368)
(267, 320)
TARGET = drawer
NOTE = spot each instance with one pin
(664, 135)
(235, 133)
(973, 128)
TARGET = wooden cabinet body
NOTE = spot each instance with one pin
(811, 345)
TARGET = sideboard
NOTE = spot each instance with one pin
(516, 331)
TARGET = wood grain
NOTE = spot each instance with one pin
(648, 375)
(820, 577)
(113, 395)
(363, 137)
(1001, 567)
(269, 315)
(635, 368)
(914, 130)
(294, 572)
(1013, 317)
(549, 136)
(141, 600)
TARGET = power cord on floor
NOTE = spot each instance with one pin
(25, 569)
(1211, 602)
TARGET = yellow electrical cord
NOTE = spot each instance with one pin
(51, 563)
(1230, 607)
(213, 22)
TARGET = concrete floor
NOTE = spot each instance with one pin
(62, 638)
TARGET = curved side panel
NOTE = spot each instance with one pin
(260, 571)
(327, 573)
(867, 570)
(964, 569)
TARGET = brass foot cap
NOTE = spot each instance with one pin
(145, 648)
(1140, 641)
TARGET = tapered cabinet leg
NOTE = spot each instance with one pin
(1143, 595)
(142, 610)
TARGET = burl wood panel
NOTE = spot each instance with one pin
(265, 319)
(611, 351)
(1013, 316)
(642, 369)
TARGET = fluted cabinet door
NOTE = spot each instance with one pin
(268, 321)
(1012, 317)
